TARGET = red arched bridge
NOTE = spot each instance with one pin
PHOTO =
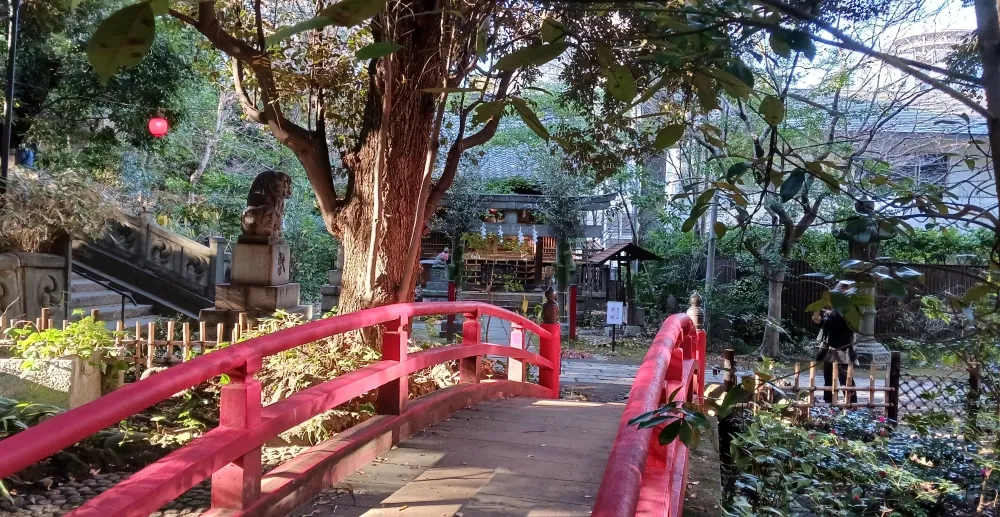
(640, 477)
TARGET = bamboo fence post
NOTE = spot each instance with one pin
(850, 384)
(836, 384)
(151, 345)
(812, 383)
(137, 343)
(220, 333)
(171, 327)
(186, 336)
(202, 332)
(871, 385)
(96, 314)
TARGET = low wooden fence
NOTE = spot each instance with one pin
(145, 350)
(876, 388)
(893, 391)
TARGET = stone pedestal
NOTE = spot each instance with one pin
(258, 285)
(331, 291)
(437, 285)
(30, 282)
(260, 264)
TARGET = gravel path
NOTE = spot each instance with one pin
(61, 499)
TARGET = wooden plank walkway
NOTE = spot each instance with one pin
(514, 457)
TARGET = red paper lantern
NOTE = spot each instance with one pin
(158, 126)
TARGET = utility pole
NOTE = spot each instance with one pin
(8, 114)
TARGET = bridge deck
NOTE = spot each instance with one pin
(511, 457)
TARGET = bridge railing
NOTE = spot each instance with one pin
(643, 477)
(231, 453)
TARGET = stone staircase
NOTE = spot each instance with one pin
(87, 295)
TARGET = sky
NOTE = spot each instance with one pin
(951, 16)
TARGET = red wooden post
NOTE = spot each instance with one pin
(548, 347)
(470, 366)
(515, 368)
(237, 485)
(393, 395)
(572, 311)
(452, 296)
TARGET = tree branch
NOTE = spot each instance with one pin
(846, 42)
(462, 144)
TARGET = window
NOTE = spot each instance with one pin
(926, 169)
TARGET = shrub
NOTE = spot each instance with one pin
(849, 463)
(40, 206)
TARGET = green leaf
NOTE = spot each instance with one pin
(736, 170)
(853, 317)
(800, 41)
(534, 55)
(450, 90)
(820, 304)
(686, 435)
(648, 93)
(772, 109)
(160, 7)
(840, 301)
(706, 92)
(742, 72)
(977, 292)
(778, 43)
(530, 119)
(668, 136)
(621, 84)
(690, 222)
(733, 396)
(792, 184)
(348, 13)
(731, 84)
(552, 30)
(482, 39)
(670, 432)
(123, 39)
(376, 50)
(317, 22)
(895, 288)
(720, 230)
(486, 111)
(5, 493)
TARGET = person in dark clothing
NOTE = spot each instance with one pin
(837, 347)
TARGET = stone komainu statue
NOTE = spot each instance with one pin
(266, 205)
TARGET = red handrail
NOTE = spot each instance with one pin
(244, 424)
(642, 477)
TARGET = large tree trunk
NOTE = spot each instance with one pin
(373, 274)
(771, 344)
(988, 32)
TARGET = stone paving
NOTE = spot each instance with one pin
(588, 372)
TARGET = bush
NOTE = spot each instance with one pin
(42, 205)
(850, 463)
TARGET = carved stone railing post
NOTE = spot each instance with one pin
(217, 266)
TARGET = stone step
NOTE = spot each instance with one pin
(88, 299)
(130, 324)
(78, 284)
(113, 312)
